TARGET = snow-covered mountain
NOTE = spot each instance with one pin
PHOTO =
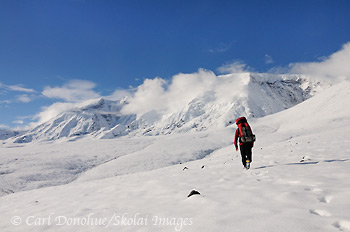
(93, 117)
(5, 134)
(250, 94)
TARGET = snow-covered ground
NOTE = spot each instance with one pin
(299, 179)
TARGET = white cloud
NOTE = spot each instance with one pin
(164, 97)
(73, 91)
(18, 122)
(120, 94)
(5, 101)
(235, 67)
(27, 97)
(20, 89)
(185, 87)
(17, 88)
(149, 95)
(222, 47)
(336, 67)
(268, 59)
(24, 98)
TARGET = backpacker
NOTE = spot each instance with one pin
(246, 134)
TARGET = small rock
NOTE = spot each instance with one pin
(193, 192)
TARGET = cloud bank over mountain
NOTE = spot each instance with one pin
(333, 68)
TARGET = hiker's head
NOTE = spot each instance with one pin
(240, 120)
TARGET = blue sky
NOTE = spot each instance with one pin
(72, 50)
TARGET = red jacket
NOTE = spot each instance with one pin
(240, 121)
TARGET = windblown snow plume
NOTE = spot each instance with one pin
(160, 95)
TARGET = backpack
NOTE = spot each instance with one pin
(246, 133)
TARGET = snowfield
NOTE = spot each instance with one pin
(299, 179)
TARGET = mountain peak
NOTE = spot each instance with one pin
(94, 104)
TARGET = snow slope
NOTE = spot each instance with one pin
(210, 105)
(298, 180)
(330, 110)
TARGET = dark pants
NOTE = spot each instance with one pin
(246, 152)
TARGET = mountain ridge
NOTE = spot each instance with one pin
(253, 95)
